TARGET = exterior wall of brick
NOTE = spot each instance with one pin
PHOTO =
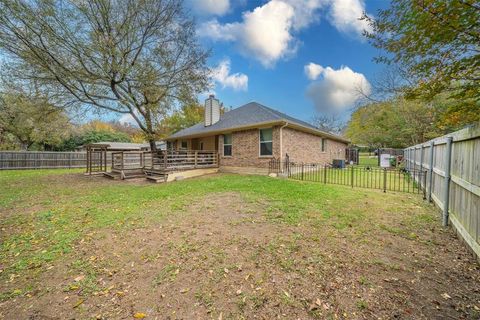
(300, 146)
(246, 149)
(306, 147)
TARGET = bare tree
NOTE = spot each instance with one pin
(136, 57)
(329, 122)
(390, 82)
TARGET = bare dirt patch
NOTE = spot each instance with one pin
(226, 257)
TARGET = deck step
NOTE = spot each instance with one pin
(112, 175)
(156, 178)
(133, 176)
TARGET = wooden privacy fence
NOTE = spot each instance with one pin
(41, 159)
(453, 180)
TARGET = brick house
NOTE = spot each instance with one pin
(248, 137)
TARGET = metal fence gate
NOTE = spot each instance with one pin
(386, 179)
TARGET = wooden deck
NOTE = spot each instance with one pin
(156, 166)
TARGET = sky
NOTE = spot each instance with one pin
(301, 57)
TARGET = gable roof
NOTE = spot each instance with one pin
(249, 115)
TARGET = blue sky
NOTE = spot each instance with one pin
(302, 57)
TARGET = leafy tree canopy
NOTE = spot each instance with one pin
(397, 124)
(436, 41)
(140, 58)
(30, 122)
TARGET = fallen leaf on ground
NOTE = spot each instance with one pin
(446, 296)
(139, 315)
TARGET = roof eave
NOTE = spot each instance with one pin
(261, 124)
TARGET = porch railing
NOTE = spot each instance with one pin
(164, 160)
(178, 160)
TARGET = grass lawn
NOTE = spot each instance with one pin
(224, 247)
(366, 160)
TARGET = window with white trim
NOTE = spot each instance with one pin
(184, 145)
(227, 145)
(266, 143)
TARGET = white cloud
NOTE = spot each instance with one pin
(210, 7)
(268, 32)
(313, 70)
(345, 15)
(306, 12)
(265, 33)
(236, 81)
(337, 90)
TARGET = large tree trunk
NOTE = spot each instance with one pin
(153, 146)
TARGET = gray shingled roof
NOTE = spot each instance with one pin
(247, 115)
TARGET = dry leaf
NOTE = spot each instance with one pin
(78, 303)
(446, 296)
(79, 278)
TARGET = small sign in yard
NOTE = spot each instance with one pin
(385, 160)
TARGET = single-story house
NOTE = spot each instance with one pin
(248, 137)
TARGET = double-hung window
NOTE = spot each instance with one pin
(227, 145)
(266, 145)
(324, 144)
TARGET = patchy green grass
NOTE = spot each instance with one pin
(227, 246)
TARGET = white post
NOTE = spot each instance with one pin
(446, 195)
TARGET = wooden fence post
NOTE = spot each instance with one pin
(421, 165)
(430, 171)
(446, 195)
(196, 155)
(325, 173)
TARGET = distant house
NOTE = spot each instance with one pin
(124, 146)
(248, 137)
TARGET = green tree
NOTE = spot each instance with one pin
(396, 123)
(187, 116)
(31, 122)
(78, 140)
(437, 42)
(126, 56)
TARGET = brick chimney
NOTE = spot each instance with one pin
(212, 110)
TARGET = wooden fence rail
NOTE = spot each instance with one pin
(42, 159)
(453, 181)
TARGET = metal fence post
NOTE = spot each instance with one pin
(384, 179)
(446, 195)
(325, 173)
(302, 170)
(351, 178)
(430, 171)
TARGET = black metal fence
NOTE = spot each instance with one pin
(385, 179)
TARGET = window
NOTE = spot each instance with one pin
(324, 144)
(266, 145)
(184, 145)
(227, 145)
(201, 145)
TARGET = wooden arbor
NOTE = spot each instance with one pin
(96, 158)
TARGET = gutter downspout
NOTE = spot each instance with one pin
(281, 143)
